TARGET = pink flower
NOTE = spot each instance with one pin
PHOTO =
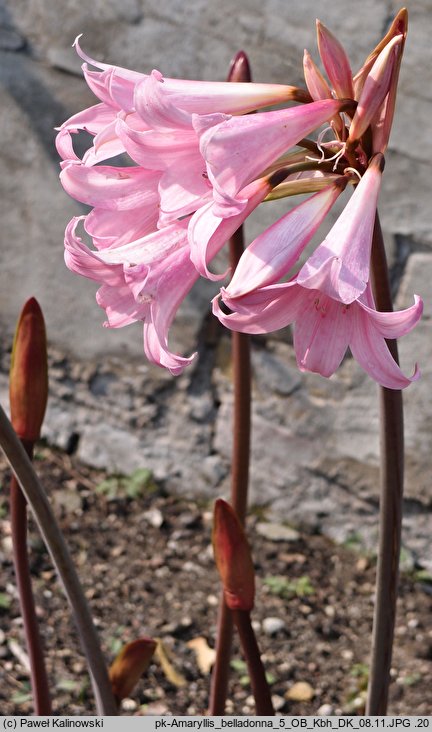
(330, 301)
(147, 278)
(339, 267)
(143, 280)
(324, 328)
(238, 149)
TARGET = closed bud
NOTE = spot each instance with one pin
(240, 68)
(399, 27)
(315, 82)
(376, 87)
(130, 664)
(335, 62)
(28, 379)
(233, 558)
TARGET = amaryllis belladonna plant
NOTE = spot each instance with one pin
(197, 163)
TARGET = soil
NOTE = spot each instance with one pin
(146, 565)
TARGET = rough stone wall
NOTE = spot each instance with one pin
(121, 412)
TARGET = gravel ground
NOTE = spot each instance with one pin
(145, 561)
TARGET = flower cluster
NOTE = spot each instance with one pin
(198, 163)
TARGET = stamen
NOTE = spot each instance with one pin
(322, 148)
(353, 170)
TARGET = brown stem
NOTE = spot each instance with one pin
(240, 349)
(38, 674)
(391, 492)
(221, 668)
(241, 366)
(56, 545)
(260, 687)
(240, 358)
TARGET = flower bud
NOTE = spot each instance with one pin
(233, 558)
(399, 27)
(28, 379)
(376, 87)
(315, 82)
(240, 68)
(335, 62)
(130, 664)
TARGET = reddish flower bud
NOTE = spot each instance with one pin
(28, 379)
(233, 558)
(239, 68)
(130, 664)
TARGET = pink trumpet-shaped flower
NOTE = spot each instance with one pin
(324, 328)
(339, 267)
(238, 149)
(146, 279)
(276, 250)
(330, 301)
(116, 86)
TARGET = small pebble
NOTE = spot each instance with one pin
(325, 710)
(278, 702)
(300, 692)
(277, 532)
(271, 626)
(129, 705)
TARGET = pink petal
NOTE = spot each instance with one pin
(392, 324)
(110, 187)
(340, 265)
(175, 281)
(111, 82)
(157, 351)
(92, 120)
(208, 233)
(106, 144)
(155, 108)
(182, 195)
(277, 249)
(115, 228)
(263, 310)
(370, 349)
(154, 250)
(99, 82)
(120, 306)
(155, 149)
(238, 149)
(81, 260)
(321, 334)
